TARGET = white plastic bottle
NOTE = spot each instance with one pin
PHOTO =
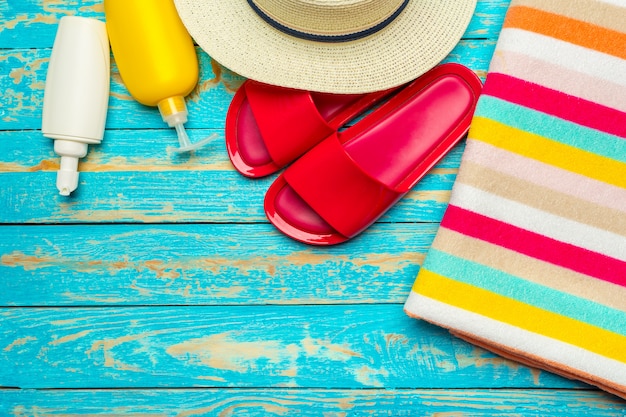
(76, 95)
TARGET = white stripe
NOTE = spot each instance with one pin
(574, 57)
(557, 77)
(546, 175)
(521, 340)
(538, 221)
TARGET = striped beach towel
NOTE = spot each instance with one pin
(530, 258)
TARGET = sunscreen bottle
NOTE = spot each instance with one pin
(76, 94)
(156, 58)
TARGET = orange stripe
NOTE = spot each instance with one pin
(567, 29)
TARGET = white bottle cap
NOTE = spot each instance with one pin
(76, 95)
(67, 176)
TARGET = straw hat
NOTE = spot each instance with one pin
(336, 46)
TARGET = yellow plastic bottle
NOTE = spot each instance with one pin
(156, 58)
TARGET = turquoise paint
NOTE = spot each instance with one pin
(342, 346)
(207, 264)
(140, 161)
(190, 302)
(154, 197)
(313, 402)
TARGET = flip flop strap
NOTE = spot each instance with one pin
(288, 121)
(338, 190)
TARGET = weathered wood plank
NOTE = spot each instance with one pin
(132, 177)
(27, 151)
(176, 197)
(32, 23)
(23, 75)
(204, 265)
(307, 402)
(347, 346)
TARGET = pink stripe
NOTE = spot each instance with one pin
(555, 103)
(535, 245)
(545, 175)
(560, 78)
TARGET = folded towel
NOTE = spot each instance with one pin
(530, 258)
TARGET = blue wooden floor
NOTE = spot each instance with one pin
(159, 288)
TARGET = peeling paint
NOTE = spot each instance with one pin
(444, 171)
(222, 351)
(68, 322)
(18, 103)
(172, 270)
(45, 165)
(371, 377)
(442, 196)
(207, 84)
(18, 259)
(161, 270)
(96, 8)
(346, 403)
(326, 349)
(164, 214)
(394, 339)
(107, 346)
(30, 71)
(12, 24)
(47, 19)
(212, 378)
(69, 338)
(230, 407)
(122, 97)
(20, 342)
(274, 409)
(95, 163)
(479, 357)
(28, 262)
(536, 374)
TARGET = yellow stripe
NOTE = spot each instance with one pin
(525, 316)
(548, 151)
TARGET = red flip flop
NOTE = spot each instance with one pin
(346, 182)
(267, 127)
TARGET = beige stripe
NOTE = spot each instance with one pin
(531, 269)
(546, 175)
(542, 198)
(601, 14)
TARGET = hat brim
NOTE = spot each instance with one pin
(417, 40)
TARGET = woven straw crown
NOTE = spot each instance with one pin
(338, 46)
